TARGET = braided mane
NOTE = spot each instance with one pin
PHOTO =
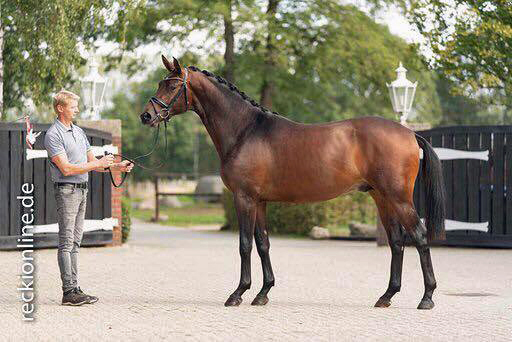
(233, 88)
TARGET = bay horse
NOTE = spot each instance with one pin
(266, 157)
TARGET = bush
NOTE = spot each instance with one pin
(126, 208)
(300, 218)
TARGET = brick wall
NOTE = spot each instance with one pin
(113, 127)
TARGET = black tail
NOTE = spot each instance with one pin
(432, 175)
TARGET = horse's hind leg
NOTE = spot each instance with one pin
(246, 212)
(263, 246)
(418, 233)
(396, 243)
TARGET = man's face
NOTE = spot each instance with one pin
(69, 110)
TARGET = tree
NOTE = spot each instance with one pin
(39, 43)
(331, 62)
(471, 42)
(270, 55)
(172, 23)
(458, 109)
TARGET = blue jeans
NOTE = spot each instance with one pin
(71, 203)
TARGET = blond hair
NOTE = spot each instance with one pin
(62, 98)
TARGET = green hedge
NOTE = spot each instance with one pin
(126, 225)
(300, 218)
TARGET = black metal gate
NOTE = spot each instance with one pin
(477, 163)
(16, 169)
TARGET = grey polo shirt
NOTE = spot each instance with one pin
(71, 141)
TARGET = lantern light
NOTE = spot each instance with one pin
(93, 89)
(401, 92)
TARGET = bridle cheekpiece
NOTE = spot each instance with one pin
(166, 108)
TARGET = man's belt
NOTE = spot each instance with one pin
(76, 185)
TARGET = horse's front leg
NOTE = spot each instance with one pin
(246, 212)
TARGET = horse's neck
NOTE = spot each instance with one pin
(225, 117)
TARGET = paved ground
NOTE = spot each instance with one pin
(171, 283)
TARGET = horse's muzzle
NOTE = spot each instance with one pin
(145, 118)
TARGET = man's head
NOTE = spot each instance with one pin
(65, 104)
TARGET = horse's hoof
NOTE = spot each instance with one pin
(233, 301)
(426, 304)
(260, 300)
(382, 303)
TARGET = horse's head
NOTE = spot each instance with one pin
(171, 98)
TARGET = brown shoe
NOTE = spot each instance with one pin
(90, 299)
(73, 298)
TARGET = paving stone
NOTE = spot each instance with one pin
(170, 284)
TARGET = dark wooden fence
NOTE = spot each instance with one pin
(16, 170)
(170, 175)
(476, 189)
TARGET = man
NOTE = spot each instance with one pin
(70, 159)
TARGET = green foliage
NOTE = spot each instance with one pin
(40, 43)
(126, 224)
(300, 218)
(332, 60)
(471, 41)
(333, 63)
(459, 109)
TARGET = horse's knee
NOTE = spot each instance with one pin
(245, 249)
(396, 247)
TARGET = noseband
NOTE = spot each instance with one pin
(164, 113)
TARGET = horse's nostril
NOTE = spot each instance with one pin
(145, 117)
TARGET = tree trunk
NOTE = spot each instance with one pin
(268, 87)
(229, 39)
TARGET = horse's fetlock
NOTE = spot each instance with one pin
(394, 288)
(432, 286)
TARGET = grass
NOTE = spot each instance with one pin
(190, 214)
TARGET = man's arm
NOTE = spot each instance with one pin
(68, 169)
(92, 158)
(124, 166)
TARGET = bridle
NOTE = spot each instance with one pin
(164, 109)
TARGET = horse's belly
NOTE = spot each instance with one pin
(311, 188)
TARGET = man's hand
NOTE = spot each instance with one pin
(125, 166)
(106, 161)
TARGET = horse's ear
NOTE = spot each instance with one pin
(167, 64)
(177, 66)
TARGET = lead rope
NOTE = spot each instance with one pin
(125, 174)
